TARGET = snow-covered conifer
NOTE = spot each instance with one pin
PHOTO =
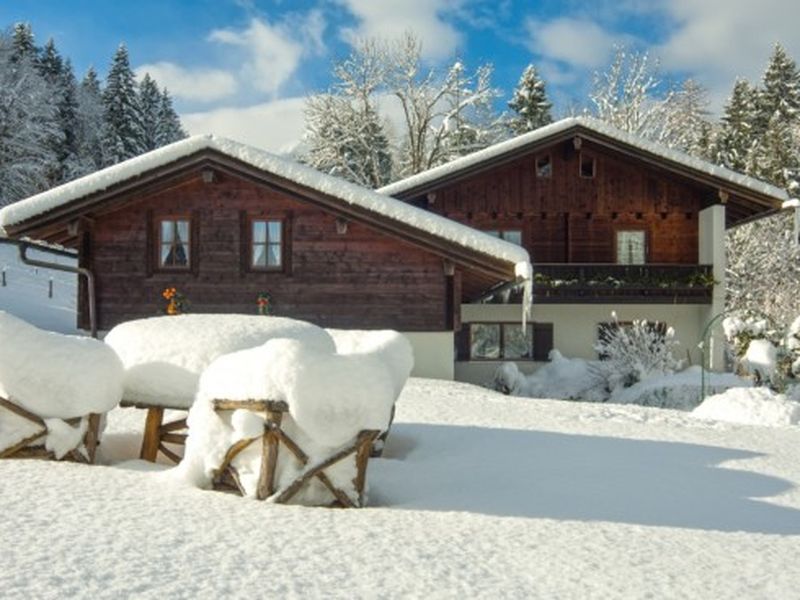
(90, 121)
(124, 133)
(529, 103)
(734, 141)
(168, 125)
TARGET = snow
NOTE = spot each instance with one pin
(593, 126)
(55, 375)
(750, 406)
(761, 359)
(26, 293)
(331, 398)
(295, 172)
(579, 379)
(392, 347)
(478, 495)
(165, 356)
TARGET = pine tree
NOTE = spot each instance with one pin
(780, 93)
(775, 157)
(63, 88)
(27, 123)
(90, 121)
(168, 125)
(124, 135)
(150, 103)
(734, 142)
(530, 103)
(23, 43)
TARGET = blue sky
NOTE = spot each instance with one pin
(241, 67)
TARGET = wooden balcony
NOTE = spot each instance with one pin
(597, 283)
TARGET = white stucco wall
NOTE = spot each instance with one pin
(711, 250)
(575, 329)
(433, 353)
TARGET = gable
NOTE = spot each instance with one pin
(52, 215)
(629, 155)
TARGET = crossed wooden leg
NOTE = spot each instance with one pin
(271, 441)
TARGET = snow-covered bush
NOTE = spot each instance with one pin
(561, 378)
(761, 352)
(632, 352)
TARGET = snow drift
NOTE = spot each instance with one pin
(750, 406)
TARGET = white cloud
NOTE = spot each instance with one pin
(718, 40)
(390, 19)
(578, 42)
(275, 126)
(204, 85)
(273, 52)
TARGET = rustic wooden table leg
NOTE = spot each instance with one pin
(152, 435)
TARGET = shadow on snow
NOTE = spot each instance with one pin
(534, 474)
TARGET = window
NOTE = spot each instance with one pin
(266, 244)
(510, 235)
(544, 167)
(587, 166)
(631, 248)
(174, 243)
(492, 341)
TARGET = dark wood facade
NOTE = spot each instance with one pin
(567, 218)
(360, 278)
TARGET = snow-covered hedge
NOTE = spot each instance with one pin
(165, 356)
(331, 397)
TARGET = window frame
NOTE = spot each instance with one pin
(159, 243)
(582, 156)
(499, 234)
(536, 169)
(251, 243)
(501, 343)
(646, 249)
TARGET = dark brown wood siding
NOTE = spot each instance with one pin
(569, 218)
(359, 279)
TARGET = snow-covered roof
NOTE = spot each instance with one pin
(350, 193)
(592, 125)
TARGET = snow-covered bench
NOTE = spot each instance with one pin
(289, 422)
(165, 356)
(53, 390)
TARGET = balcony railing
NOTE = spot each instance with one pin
(596, 283)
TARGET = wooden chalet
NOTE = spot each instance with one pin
(224, 223)
(611, 222)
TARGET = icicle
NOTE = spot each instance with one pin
(524, 271)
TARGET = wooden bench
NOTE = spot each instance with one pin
(273, 440)
(157, 432)
(27, 448)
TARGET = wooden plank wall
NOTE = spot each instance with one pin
(566, 218)
(360, 279)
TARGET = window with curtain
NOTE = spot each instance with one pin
(266, 244)
(631, 247)
(174, 242)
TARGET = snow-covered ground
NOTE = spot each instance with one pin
(26, 292)
(478, 494)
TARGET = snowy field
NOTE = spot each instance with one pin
(478, 494)
(26, 291)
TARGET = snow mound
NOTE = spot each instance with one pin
(165, 356)
(55, 375)
(750, 406)
(331, 397)
(390, 346)
(678, 391)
